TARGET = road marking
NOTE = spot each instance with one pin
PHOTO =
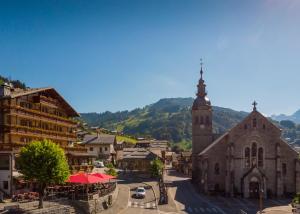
(135, 204)
(147, 205)
(129, 203)
(153, 205)
(190, 209)
(208, 209)
(214, 209)
(202, 210)
(196, 209)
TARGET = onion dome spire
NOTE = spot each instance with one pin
(202, 99)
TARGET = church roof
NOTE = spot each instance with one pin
(218, 140)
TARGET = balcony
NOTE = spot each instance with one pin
(38, 112)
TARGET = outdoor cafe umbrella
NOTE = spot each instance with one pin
(103, 176)
(84, 178)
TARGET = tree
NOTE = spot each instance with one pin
(157, 168)
(43, 162)
(111, 170)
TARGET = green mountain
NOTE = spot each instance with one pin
(168, 119)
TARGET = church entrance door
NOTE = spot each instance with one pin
(254, 189)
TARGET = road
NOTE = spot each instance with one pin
(187, 200)
(145, 205)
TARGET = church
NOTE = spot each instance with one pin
(249, 160)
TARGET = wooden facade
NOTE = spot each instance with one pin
(34, 114)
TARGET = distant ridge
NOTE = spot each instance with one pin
(169, 118)
(294, 117)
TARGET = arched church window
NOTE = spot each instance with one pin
(254, 123)
(254, 153)
(207, 120)
(254, 149)
(247, 157)
(201, 120)
(217, 169)
(260, 157)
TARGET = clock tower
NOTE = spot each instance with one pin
(201, 123)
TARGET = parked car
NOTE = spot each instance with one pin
(98, 164)
(140, 192)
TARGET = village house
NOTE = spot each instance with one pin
(138, 159)
(34, 114)
(101, 146)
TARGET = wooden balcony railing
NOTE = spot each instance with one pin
(38, 112)
(34, 130)
(39, 118)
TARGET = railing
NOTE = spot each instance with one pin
(40, 131)
(39, 118)
(42, 135)
(38, 112)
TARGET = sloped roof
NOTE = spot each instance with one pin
(138, 153)
(17, 92)
(98, 139)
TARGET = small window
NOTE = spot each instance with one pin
(5, 185)
(101, 149)
(201, 120)
(105, 148)
(217, 169)
(4, 162)
(91, 149)
(247, 157)
(245, 126)
(207, 120)
(254, 123)
(284, 169)
(264, 126)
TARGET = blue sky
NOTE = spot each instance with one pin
(118, 55)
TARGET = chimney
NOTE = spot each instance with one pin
(5, 89)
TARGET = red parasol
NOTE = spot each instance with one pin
(103, 176)
(83, 178)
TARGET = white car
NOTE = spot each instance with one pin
(98, 164)
(140, 192)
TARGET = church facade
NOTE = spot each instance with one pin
(248, 160)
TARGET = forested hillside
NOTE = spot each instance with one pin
(168, 119)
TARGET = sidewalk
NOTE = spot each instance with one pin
(121, 202)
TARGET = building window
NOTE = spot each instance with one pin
(201, 120)
(100, 149)
(4, 162)
(264, 126)
(254, 153)
(105, 148)
(207, 120)
(5, 185)
(245, 126)
(284, 169)
(254, 123)
(247, 157)
(91, 149)
(260, 157)
(217, 169)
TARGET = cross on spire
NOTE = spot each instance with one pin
(254, 105)
(201, 71)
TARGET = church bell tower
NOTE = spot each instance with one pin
(201, 123)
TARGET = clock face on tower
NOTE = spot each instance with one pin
(202, 126)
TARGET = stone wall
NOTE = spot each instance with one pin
(96, 205)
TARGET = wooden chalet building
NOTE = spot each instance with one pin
(35, 114)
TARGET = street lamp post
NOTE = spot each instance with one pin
(261, 200)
